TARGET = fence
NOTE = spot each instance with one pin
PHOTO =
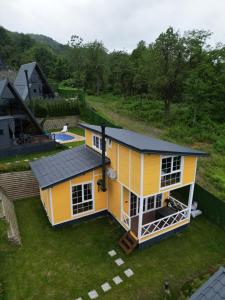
(8, 213)
(18, 185)
(58, 123)
(212, 207)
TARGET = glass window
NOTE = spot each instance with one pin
(171, 170)
(97, 142)
(152, 202)
(82, 199)
(134, 205)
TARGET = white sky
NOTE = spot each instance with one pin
(120, 24)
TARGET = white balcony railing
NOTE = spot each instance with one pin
(126, 219)
(166, 222)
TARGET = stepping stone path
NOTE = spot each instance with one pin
(129, 273)
(93, 294)
(119, 261)
(112, 253)
(106, 287)
(117, 280)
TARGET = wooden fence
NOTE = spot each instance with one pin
(19, 185)
(8, 212)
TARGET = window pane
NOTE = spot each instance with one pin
(170, 179)
(158, 200)
(166, 165)
(87, 191)
(176, 163)
(81, 196)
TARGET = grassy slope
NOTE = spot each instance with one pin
(66, 263)
(211, 170)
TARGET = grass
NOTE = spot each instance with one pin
(148, 117)
(67, 262)
(21, 162)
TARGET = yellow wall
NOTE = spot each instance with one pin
(151, 174)
(189, 169)
(124, 170)
(135, 165)
(61, 197)
(45, 198)
(114, 198)
(88, 137)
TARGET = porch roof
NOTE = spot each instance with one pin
(58, 168)
(144, 143)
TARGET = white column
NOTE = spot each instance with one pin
(121, 202)
(190, 199)
(140, 217)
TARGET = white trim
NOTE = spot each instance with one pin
(140, 217)
(127, 187)
(118, 162)
(51, 207)
(190, 199)
(129, 168)
(121, 202)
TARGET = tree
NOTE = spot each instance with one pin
(167, 66)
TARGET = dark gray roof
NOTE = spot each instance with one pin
(213, 289)
(65, 165)
(21, 83)
(6, 117)
(7, 84)
(144, 143)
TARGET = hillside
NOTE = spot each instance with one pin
(47, 41)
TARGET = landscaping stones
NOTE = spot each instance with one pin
(106, 287)
(112, 253)
(119, 261)
(117, 280)
(93, 294)
(128, 273)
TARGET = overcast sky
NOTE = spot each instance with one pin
(120, 24)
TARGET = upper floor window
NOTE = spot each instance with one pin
(97, 142)
(170, 170)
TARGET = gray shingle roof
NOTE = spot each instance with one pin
(144, 143)
(2, 86)
(213, 289)
(65, 165)
(21, 83)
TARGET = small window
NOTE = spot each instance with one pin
(35, 90)
(97, 142)
(109, 143)
(1, 132)
(152, 202)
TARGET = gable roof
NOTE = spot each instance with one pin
(214, 288)
(143, 143)
(7, 84)
(65, 165)
(21, 83)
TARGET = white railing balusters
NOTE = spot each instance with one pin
(126, 219)
(152, 227)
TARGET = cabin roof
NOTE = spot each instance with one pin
(21, 83)
(144, 143)
(214, 288)
(65, 165)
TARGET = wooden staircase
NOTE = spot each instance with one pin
(128, 242)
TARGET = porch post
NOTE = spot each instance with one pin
(140, 217)
(190, 199)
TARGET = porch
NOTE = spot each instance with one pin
(147, 224)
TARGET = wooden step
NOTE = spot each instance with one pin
(128, 242)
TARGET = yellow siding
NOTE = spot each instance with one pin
(124, 165)
(61, 197)
(126, 200)
(114, 198)
(88, 137)
(135, 166)
(189, 169)
(45, 198)
(151, 174)
(112, 154)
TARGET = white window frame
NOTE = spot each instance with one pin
(145, 203)
(172, 172)
(83, 201)
(100, 143)
(109, 143)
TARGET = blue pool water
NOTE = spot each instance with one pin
(62, 137)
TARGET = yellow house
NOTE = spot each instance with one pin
(122, 173)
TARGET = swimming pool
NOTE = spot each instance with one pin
(62, 137)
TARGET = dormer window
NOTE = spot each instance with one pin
(97, 142)
(170, 170)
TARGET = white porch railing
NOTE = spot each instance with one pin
(175, 203)
(153, 227)
(126, 219)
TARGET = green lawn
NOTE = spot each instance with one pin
(66, 263)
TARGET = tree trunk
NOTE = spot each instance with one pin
(167, 107)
